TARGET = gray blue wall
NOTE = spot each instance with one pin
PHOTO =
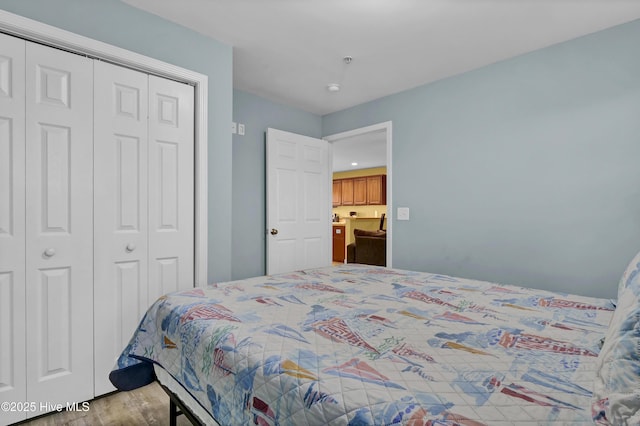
(116, 23)
(249, 227)
(522, 172)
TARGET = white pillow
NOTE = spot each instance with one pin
(630, 274)
(616, 397)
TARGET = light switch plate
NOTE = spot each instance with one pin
(233, 128)
(403, 213)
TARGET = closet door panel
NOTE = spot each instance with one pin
(121, 231)
(59, 231)
(12, 225)
(171, 186)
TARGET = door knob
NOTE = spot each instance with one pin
(130, 247)
(50, 252)
(274, 231)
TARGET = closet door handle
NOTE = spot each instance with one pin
(50, 252)
(130, 247)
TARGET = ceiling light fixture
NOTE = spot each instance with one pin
(354, 164)
(335, 87)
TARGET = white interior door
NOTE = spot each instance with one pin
(59, 225)
(120, 212)
(298, 202)
(171, 186)
(12, 225)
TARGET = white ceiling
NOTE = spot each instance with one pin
(367, 150)
(288, 51)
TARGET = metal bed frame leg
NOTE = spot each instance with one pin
(177, 408)
(173, 413)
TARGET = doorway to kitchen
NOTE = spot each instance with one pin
(370, 149)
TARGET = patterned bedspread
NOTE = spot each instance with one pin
(362, 345)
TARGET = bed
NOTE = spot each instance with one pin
(366, 345)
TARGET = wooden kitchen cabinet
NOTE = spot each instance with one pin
(376, 189)
(347, 192)
(337, 193)
(360, 191)
(339, 243)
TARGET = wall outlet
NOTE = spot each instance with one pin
(241, 129)
(233, 128)
(403, 213)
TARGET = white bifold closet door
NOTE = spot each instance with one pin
(144, 201)
(96, 221)
(121, 206)
(12, 225)
(171, 186)
(59, 225)
(46, 226)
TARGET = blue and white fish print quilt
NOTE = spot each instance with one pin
(363, 345)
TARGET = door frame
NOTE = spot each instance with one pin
(39, 32)
(387, 127)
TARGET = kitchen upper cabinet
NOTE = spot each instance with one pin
(337, 193)
(347, 192)
(377, 189)
(360, 191)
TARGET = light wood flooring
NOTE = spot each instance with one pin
(148, 405)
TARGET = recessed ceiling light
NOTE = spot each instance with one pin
(354, 164)
(333, 87)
